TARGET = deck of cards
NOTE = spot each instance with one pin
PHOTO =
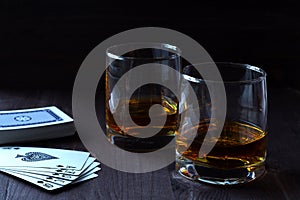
(48, 168)
(34, 124)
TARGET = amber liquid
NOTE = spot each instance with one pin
(139, 112)
(240, 145)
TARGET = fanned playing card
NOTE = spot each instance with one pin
(70, 174)
(55, 174)
(42, 158)
(48, 168)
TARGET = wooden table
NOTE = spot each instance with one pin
(282, 180)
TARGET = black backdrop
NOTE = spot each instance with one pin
(44, 42)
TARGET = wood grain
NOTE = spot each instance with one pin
(282, 180)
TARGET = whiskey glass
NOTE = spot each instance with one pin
(238, 153)
(122, 59)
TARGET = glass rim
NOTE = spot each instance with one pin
(259, 70)
(174, 50)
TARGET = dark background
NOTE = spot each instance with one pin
(42, 45)
(44, 42)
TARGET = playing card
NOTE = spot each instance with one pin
(29, 118)
(41, 183)
(52, 183)
(94, 170)
(91, 169)
(57, 173)
(48, 168)
(53, 171)
(33, 157)
(85, 178)
(49, 185)
(34, 124)
(61, 181)
(41, 177)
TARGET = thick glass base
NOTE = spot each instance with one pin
(216, 176)
(138, 145)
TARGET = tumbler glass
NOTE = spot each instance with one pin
(125, 58)
(239, 152)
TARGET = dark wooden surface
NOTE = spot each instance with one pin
(282, 180)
